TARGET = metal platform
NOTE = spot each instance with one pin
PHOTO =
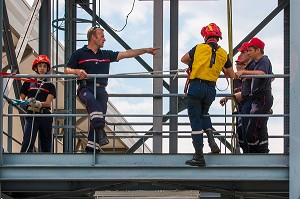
(231, 174)
(81, 175)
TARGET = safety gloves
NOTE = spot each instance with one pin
(34, 103)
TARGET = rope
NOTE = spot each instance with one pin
(33, 118)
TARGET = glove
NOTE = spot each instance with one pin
(34, 103)
(30, 100)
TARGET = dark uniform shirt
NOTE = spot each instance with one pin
(30, 89)
(246, 82)
(93, 63)
(262, 85)
(237, 85)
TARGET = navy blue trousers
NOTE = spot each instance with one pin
(257, 130)
(96, 107)
(43, 125)
(200, 97)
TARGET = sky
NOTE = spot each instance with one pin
(193, 15)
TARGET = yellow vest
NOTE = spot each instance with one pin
(201, 63)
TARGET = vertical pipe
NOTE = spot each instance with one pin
(286, 70)
(94, 12)
(230, 48)
(45, 28)
(9, 129)
(294, 169)
(44, 33)
(173, 126)
(157, 82)
(229, 20)
(55, 63)
(1, 87)
(67, 85)
(70, 87)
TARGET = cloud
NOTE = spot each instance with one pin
(114, 12)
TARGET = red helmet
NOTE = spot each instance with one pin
(41, 59)
(211, 30)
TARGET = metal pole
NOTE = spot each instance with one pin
(94, 12)
(230, 46)
(294, 170)
(286, 70)
(9, 129)
(45, 28)
(173, 142)
(1, 87)
(1, 92)
(158, 82)
(70, 87)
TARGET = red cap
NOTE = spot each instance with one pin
(257, 42)
(244, 47)
(238, 59)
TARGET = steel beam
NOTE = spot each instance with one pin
(70, 87)
(286, 70)
(158, 83)
(262, 24)
(173, 107)
(11, 56)
(24, 172)
(44, 27)
(294, 101)
(130, 167)
(29, 24)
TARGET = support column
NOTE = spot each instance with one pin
(173, 142)
(70, 86)
(1, 86)
(294, 161)
(1, 92)
(158, 82)
(45, 28)
(286, 70)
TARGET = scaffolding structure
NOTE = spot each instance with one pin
(68, 173)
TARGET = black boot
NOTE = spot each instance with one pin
(103, 140)
(211, 141)
(91, 150)
(197, 160)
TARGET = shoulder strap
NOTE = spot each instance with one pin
(213, 56)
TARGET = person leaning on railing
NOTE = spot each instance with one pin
(261, 98)
(90, 59)
(40, 96)
(242, 89)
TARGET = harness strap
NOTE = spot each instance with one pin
(187, 82)
(213, 56)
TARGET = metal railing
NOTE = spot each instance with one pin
(223, 135)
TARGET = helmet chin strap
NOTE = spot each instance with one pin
(211, 39)
(37, 71)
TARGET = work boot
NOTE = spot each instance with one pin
(103, 140)
(197, 160)
(211, 141)
(91, 150)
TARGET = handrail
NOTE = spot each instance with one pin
(148, 134)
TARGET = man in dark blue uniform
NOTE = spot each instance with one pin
(260, 98)
(237, 89)
(90, 59)
(40, 96)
